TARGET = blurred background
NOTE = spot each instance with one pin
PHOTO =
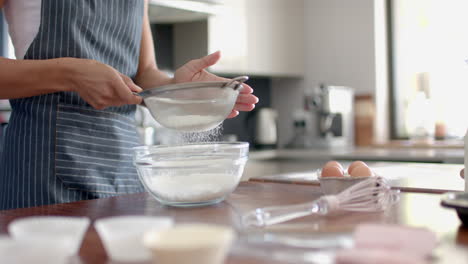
(330, 74)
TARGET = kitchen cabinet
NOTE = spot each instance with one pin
(275, 36)
(170, 11)
(256, 37)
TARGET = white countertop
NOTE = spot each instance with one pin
(407, 176)
(411, 169)
(435, 155)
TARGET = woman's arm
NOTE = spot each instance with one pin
(26, 78)
(149, 75)
(98, 84)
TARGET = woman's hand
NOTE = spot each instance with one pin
(194, 71)
(100, 85)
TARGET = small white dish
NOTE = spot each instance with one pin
(21, 252)
(122, 236)
(190, 243)
(68, 232)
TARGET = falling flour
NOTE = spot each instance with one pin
(173, 137)
(205, 136)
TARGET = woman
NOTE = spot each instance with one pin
(72, 125)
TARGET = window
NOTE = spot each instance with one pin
(430, 72)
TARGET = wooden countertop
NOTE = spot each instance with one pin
(414, 209)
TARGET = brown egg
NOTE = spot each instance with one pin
(332, 171)
(361, 171)
(355, 164)
(333, 163)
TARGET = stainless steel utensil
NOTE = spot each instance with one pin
(195, 106)
(235, 83)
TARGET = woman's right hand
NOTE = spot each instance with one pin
(100, 85)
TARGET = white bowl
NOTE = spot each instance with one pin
(51, 230)
(21, 252)
(122, 236)
(191, 174)
(190, 243)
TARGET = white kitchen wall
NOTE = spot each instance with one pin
(344, 45)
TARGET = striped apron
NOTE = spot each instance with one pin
(57, 148)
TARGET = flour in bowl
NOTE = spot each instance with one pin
(193, 187)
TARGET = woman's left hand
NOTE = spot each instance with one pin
(194, 71)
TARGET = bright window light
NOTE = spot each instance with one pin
(430, 49)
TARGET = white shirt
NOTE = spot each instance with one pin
(23, 18)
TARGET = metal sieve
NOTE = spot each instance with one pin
(194, 106)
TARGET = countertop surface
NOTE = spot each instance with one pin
(423, 169)
(438, 155)
(407, 176)
(414, 209)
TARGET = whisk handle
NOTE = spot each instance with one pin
(266, 216)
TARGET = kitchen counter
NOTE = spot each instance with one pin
(435, 155)
(406, 176)
(414, 209)
(301, 166)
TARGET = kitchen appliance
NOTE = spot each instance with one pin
(335, 116)
(265, 132)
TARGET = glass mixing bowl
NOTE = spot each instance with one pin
(193, 106)
(192, 174)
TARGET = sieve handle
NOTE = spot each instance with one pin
(138, 94)
(237, 82)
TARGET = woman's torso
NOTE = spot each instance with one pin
(57, 147)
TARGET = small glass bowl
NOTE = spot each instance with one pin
(192, 174)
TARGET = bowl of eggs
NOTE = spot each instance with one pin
(335, 179)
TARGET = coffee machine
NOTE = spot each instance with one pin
(334, 111)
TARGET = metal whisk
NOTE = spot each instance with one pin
(371, 195)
